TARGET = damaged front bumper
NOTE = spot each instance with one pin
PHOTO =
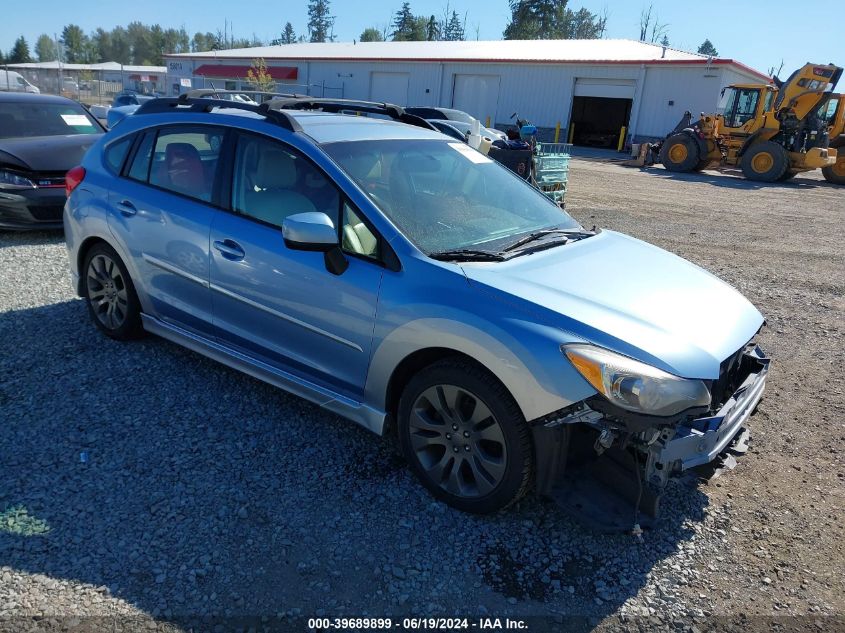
(614, 467)
(700, 441)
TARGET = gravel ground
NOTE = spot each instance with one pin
(142, 483)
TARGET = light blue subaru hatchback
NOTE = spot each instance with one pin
(405, 281)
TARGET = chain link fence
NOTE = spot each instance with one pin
(99, 86)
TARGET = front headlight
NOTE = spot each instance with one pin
(11, 180)
(635, 386)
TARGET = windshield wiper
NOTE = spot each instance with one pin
(570, 234)
(467, 255)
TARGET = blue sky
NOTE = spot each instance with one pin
(795, 32)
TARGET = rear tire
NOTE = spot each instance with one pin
(110, 294)
(765, 162)
(680, 153)
(835, 173)
(465, 438)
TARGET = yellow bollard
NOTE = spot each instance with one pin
(621, 143)
(487, 122)
(571, 132)
(557, 132)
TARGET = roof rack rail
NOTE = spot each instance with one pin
(199, 93)
(186, 103)
(395, 112)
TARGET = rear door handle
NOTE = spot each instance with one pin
(230, 249)
(127, 208)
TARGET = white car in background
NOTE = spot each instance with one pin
(15, 82)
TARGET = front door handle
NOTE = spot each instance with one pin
(230, 249)
(127, 208)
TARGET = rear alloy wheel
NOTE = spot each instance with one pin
(835, 173)
(465, 437)
(680, 152)
(110, 295)
(765, 162)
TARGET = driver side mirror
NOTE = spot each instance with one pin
(315, 231)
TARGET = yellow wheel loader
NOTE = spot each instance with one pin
(771, 131)
(835, 114)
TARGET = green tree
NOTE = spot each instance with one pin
(665, 41)
(403, 23)
(371, 34)
(708, 49)
(288, 35)
(74, 41)
(119, 47)
(142, 43)
(320, 21)
(20, 52)
(45, 48)
(454, 29)
(551, 19)
(432, 30)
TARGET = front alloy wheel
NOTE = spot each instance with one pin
(465, 437)
(458, 441)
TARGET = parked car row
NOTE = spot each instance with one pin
(399, 278)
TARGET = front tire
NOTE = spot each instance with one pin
(680, 152)
(108, 290)
(765, 162)
(835, 173)
(465, 438)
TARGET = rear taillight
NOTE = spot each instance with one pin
(73, 178)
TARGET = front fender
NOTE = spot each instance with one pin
(525, 357)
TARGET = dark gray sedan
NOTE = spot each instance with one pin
(41, 138)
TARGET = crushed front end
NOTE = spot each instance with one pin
(608, 466)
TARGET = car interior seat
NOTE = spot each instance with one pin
(274, 196)
(182, 171)
(357, 238)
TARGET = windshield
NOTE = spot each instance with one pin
(30, 118)
(445, 196)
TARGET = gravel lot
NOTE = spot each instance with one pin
(208, 493)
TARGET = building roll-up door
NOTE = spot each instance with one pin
(601, 110)
(607, 88)
(389, 88)
(477, 95)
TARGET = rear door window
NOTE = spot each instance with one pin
(181, 159)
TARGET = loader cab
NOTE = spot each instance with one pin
(741, 104)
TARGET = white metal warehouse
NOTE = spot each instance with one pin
(591, 88)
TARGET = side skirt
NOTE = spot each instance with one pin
(368, 417)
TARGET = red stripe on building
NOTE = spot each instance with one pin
(233, 72)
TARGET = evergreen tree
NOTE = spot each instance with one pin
(708, 49)
(20, 52)
(320, 21)
(454, 29)
(665, 40)
(551, 19)
(45, 48)
(403, 23)
(432, 29)
(288, 36)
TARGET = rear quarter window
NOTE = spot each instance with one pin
(115, 153)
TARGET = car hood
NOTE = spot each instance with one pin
(46, 153)
(639, 300)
